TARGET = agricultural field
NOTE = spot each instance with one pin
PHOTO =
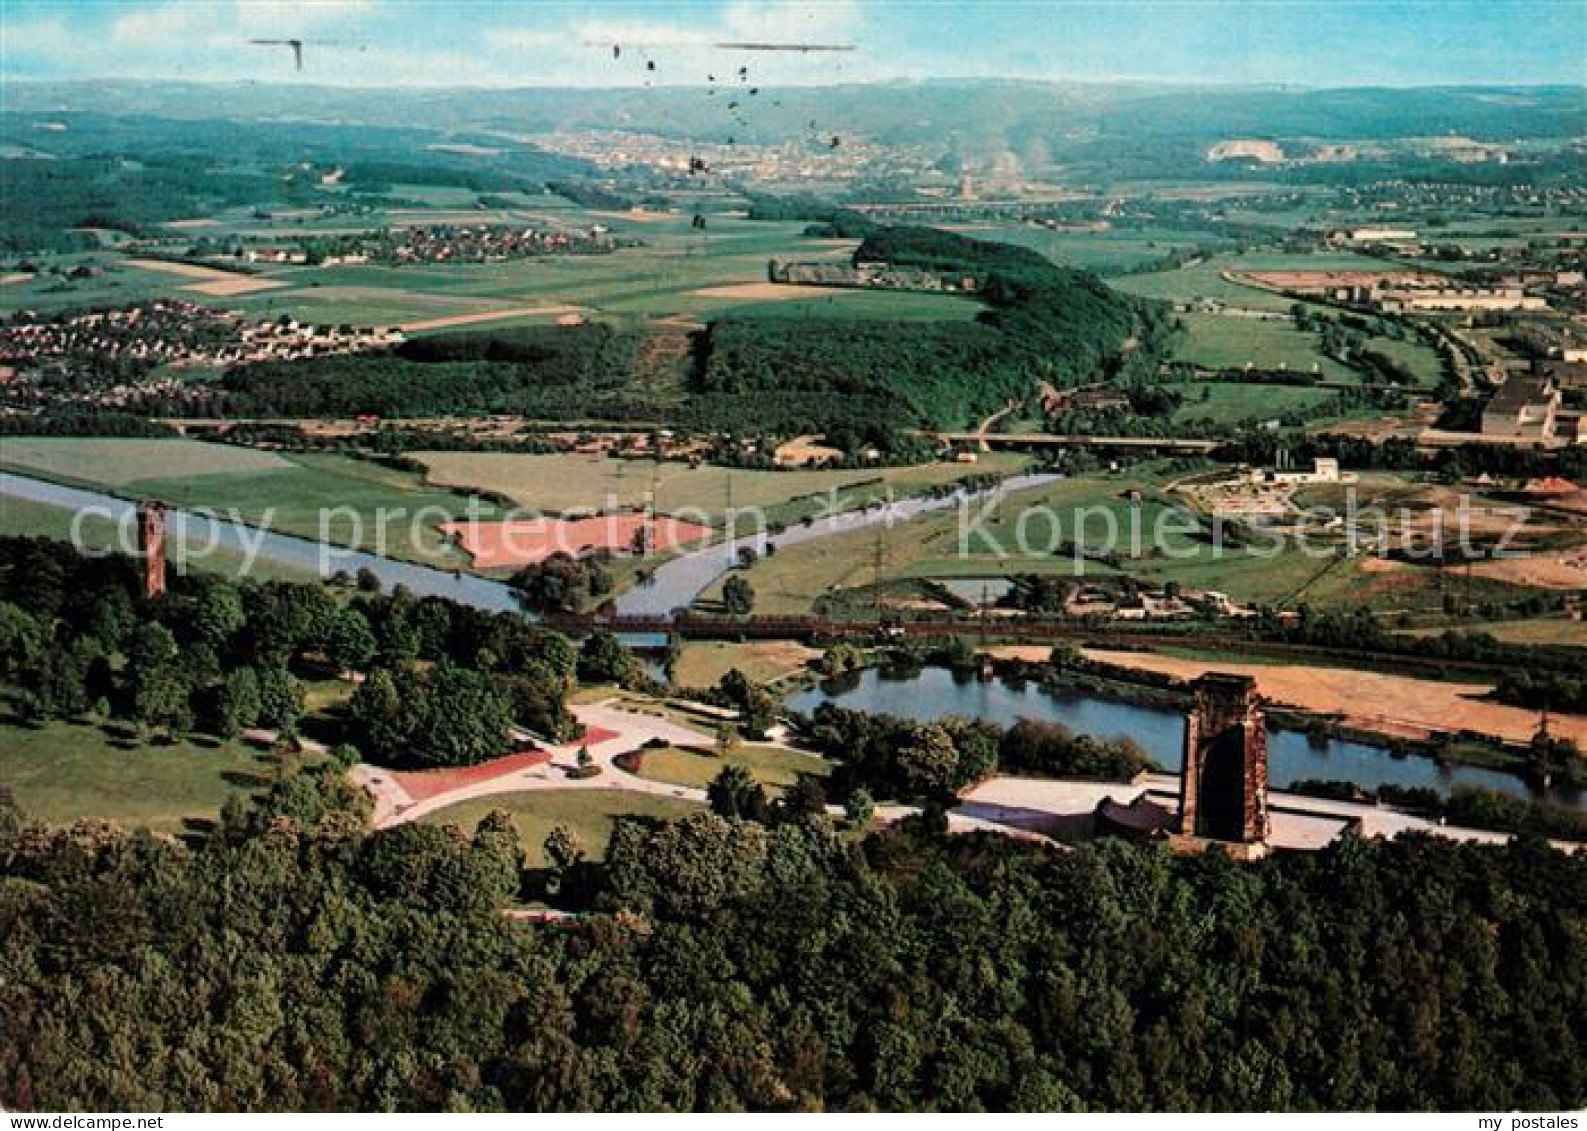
(1230, 402)
(589, 814)
(1105, 252)
(327, 497)
(775, 767)
(1226, 341)
(566, 483)
(1205, 279)
(677, 272)
(118, 463)
(61, 771)
(1095, 511)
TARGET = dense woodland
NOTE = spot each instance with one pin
(894, 758)
(445, 683)
(869, 382)
(294, 960)
(43, 203)
(548, 371)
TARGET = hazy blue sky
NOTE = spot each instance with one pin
(497, 43)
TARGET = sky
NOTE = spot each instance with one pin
(498, 43)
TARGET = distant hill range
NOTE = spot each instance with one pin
(1033, 120)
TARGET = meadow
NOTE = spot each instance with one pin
(59, 772)
(575, 482)
(589, 814)
(702, 663)
(1105, 252)
(1231, 402)
(1227, 341)
(319, 496)
(774, 767)
(1204, 279)
(1087, 509)
(674, 274)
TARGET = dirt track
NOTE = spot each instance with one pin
(490, 316)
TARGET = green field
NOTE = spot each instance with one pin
(703, 663)
(1230, 402)
(117, 463)
(572, 482)
(589, 814)
(62, 771)
(1095, 512)
(1106, 252)
(96, 534)
(1205, 279)
(659, 279)
(1413, 353)
(1226, 341)
(325, 497)
(772, 766)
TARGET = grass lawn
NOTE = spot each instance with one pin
(323, 497)
(1105, 252)
(589, 814)
(97, 535)
(571, 482)
(1092, 510)
(1229, 402)
(772, 766)
(1413, 353)
(702, 663)
(1228, 341)
(112, 462)
(62, 771)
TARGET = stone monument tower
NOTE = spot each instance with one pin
(151, 542)
(1223, 781)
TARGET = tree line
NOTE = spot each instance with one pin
(444, 684)
(295, 960)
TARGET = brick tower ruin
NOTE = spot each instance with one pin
(1223, 781)
(151, 543)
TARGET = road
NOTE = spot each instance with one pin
(1069, 440)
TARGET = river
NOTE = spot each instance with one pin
(933, 693)
(674, 584)
(282, 549)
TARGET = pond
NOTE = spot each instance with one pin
(933, 693)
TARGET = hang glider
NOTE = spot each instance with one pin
(295, 44)
(799, 47)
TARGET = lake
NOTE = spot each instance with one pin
(933, 693)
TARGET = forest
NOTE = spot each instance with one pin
(444, 683)
(42, 203)
(295, 960)
(549, 371)
(869, 381)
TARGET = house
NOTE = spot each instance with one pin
(1525, 407)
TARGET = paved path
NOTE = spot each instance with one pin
(630, 731)
(1034, 809)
